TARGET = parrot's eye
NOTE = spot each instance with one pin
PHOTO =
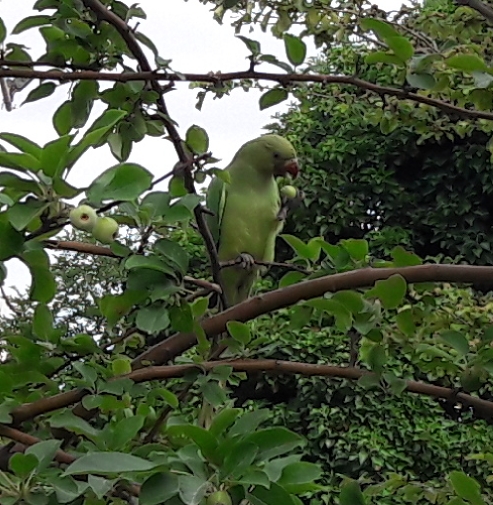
(276, 156)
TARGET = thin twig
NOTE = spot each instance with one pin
(218, 78)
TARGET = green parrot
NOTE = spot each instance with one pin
(246, 210)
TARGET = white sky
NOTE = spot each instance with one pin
(186, 33)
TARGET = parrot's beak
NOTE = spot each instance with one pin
(291, 167)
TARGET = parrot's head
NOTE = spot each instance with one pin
(275, 155)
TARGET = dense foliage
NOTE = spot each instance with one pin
(376, 381)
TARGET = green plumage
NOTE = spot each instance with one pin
(246, 210)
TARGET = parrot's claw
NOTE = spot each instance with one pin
(246, 261)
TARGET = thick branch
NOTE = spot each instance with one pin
(218, 78)
(31, 410)
(280, 298)
(485, 10)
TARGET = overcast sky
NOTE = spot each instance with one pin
(186, 33)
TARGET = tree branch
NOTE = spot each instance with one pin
(218, 78)
(97, 250)
(485, 10)
(30, 410)
(306, 290)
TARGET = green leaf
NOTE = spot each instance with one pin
(249, 422)
(96, 132)
(204, 439)
(403, 258)
(23, 464)
(273, 442)
(71, 422)
(382, 29)
(121, 366)
(303, 250)
(109, 463)
(391, 291)
(22, 143)
(223, 420)
(351, 494)
(273, 97)
(19, 161)
(11, 241)
(126, 430)
(54, 155)
(466, 487)
(152, 319)
(31, 22)
(121, 182)
(421, 80)
(376, 358)
(197, 139)
(299, 473)
(3, 31)
(295, 49)
(381, 57)
(192, 489)
(174, 254)
(482, 80)
(401, 47)
(43, 285)
(21, 214)
(252, 45)
(456, 340)
(238, 459)
(149, 262)
(239, 331)
(62, 119)
(357, 248)
(158, 488)
(405, 322)
(467, 63)
(44, 452)
(275, 495)
(42, 322)
(42, 91)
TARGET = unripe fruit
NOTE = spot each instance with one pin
(83, 217)
(105, 230)
(289, 192)
(219, 498)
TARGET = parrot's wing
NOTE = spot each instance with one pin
(215, 201)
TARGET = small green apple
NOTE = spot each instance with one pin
(83, 217)
(219, 498)
(289, 192)
(105, 230)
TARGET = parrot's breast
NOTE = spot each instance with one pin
(250, 224)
